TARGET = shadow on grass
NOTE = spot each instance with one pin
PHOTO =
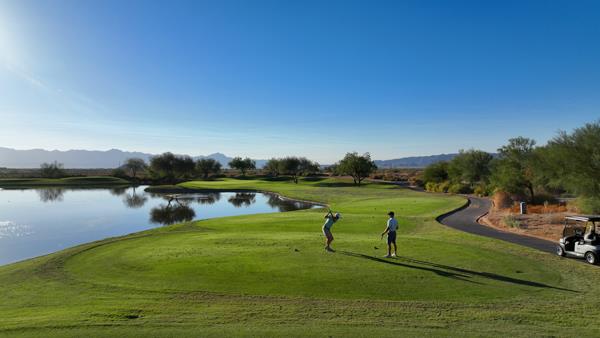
(438, 272)
(453, 272)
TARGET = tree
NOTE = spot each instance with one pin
(436, 172)
(243, 165)
(52, 170)
(207, 166)
(273, 167)
(514, 171)
(308, 167)
(162, 166)
(333, 169)
(572, 161)
(291, 166)
(470, 167)
(134, 165)
(184, 166)
(171, 167)
(357, 166)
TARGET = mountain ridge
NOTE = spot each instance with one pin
(113, 158)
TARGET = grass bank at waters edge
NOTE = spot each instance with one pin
(269, 275)
(67, 181)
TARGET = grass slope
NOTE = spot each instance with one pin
(67, 181)
(267, 274)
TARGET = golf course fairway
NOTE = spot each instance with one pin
(267, 274)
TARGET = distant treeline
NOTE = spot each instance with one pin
(171, 168)
(568, 163)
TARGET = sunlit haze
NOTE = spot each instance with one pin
(307, 78)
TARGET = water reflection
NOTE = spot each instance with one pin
(51, 194)
(244, 199)
(118, 191)
(134, 201)
(38, 221)
(209, 198)
(173, 212)
(275, 201)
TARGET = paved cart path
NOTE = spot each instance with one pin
(466, 220)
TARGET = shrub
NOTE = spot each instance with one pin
(417, 182)
(482, 190)
(436, 172)
(589, 205)
(119, 172)
(430, 186)
(52, 170)
(459, 188)
(437, 187)
(512, 221)
(502, 200)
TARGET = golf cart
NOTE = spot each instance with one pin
(579, 238)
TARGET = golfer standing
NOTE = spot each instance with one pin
(330, 219)
(390, 230)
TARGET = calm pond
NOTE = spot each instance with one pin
(34, 222)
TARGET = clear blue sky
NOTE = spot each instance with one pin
(310, 78)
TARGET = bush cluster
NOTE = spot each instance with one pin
(536, 174)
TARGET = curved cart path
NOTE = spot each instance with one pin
(465, 219)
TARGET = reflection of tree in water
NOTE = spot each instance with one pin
(51, 194)
(242, 199)
(172, 213)
(286, 205)
(118, 191)
(209, 198)
(134, 200)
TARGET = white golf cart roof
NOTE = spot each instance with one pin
(584, 218)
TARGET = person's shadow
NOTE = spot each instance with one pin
(452, 272)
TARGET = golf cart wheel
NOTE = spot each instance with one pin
(590, 257)
(560, 251)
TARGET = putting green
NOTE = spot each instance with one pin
(268, 274)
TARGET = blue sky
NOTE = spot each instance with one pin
(309, 78)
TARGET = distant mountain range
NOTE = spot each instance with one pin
(88, 159)
(413, 162)
(84, 159)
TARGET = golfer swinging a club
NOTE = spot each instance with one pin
(330, 218)
(390, 230)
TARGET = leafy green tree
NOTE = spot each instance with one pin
(162, 166)
(357, 166)
(572, 161)
(333, 169)
(298, 166)
(308, 167)
(436, 172)
(273, 167)
(134, 166)
(119, 172)
(243, 165)
(208, 166)
(514, 171)
(184, 166)
(291, 166)
(470, 167)
(170, 167)
(52, 170)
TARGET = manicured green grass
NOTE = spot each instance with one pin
(268, 274)
(67, 181)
